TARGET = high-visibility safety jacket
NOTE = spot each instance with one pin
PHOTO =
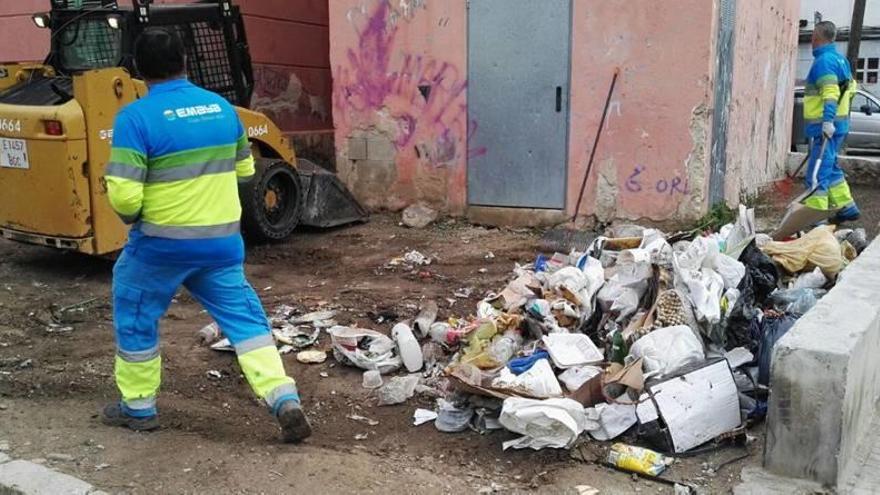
(177, 157)
(829, 91)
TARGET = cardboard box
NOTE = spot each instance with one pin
(691, 408)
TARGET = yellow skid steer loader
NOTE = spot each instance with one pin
(56, 126)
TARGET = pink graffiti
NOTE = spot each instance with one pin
(423, 97)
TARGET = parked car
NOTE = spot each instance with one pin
(864, 132)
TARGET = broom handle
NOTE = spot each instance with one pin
(577, 208)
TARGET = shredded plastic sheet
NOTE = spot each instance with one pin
(609, 421)
(376, 353)
(668, 350)
(555, 423)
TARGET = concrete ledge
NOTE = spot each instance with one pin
(515, 217)
(27, 478)
(825, 381)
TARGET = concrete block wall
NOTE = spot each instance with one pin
(826, 382)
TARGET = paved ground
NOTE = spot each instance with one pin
(867, 480)
(216, 438)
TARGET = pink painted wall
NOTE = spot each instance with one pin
(762, 95)
(20, 40)
(394, 146)
(654, 153)
(652, 158)
(290, 48)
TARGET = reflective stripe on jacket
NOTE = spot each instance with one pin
(174, 164)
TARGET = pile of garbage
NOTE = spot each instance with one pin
(597, 342)
(666, 338)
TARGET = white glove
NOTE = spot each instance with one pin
(828, 129)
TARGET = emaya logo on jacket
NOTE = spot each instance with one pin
(196, 111)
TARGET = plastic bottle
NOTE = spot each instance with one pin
(618, 348)
(503, 348)
(408, 346)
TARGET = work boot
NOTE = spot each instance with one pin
(113, 415)
(294, 424)
(849, 214)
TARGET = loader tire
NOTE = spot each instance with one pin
(271, 203)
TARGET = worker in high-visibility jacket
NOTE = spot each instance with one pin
(827, 96)
(177, 158)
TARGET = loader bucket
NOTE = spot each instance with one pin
(327, 203)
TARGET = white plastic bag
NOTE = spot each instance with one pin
(704, 289)
(692, 256)
(668, 350)
(609, 421)
(538, 381)
(743, 232)
(379, 354)
(731, 270)
(574, 378)
(811, 280)
(621, 294)
(570, 277)
(660, 250)
(555, 423)
(583, 284)
(398, 390)
(595, 280)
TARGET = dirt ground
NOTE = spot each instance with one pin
(216, 438)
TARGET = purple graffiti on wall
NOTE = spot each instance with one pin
(424, 97)
(671, 186)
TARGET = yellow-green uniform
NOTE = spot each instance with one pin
(178, 155)
(827, 96)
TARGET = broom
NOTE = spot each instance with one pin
(785, 186)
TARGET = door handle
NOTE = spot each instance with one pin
(558, 99)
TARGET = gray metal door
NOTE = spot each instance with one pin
(518, 87)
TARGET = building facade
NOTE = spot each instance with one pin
(476, 104)
(488, 106)
(839, 12)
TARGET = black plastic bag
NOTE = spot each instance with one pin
(759, 282)
(737, 332)
(762, 270)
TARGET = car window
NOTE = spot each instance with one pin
(858, 102)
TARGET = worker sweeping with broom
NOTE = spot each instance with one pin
(829, 91)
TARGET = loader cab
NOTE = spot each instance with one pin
(56, 126)
(98, 34)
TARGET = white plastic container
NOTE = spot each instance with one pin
(408, 347)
